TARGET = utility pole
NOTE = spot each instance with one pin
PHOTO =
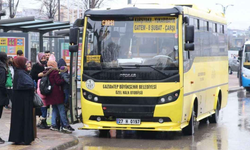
(224, 8)
(1, 5)
(59, 12)
(129, 1)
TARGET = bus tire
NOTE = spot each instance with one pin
(230, 70)
(104, 133)
(215, 117)
(189, 130)
(247, 89)
(204, 121)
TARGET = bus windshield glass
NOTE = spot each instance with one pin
(247, 54)
(131, 48)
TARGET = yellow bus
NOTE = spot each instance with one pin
(152, 67)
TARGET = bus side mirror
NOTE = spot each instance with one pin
(240, 54)
(78, 23)
(189, 38)
(74, 39)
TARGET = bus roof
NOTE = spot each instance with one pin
(247, 42)
(159, 10)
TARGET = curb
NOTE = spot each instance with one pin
(66, 145)
(235, 89)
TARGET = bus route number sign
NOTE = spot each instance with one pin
(154, 25)
(108, 22)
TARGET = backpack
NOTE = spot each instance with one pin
(45, 86)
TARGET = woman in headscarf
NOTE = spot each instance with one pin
(39, 67)
(21, 127)
(28, 66)
(56, 98)
(3, 76)
(36, 74)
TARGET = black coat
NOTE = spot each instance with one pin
(36, 69)
(21, 127)
(3, 92)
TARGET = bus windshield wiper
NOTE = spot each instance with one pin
(104, 69)
(150, 66)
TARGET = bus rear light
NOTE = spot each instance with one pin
(104, 108)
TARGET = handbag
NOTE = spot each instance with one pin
(37, 101)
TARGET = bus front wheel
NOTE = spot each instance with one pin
(215, 117)
(189, 130)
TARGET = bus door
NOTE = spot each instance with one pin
(73, 48)
(239, 74)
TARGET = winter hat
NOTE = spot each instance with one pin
(61, 63)
(52, 63)
(52, 57)
(63, 69)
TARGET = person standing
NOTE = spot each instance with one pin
(28, 66)
(21, 126)
(36, 74)
(56, 98)
(47, 54)
(18, 53)
(3, 77)
(9, 81)
(38, 68)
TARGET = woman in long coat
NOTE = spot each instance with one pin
(3, 76)
(21, 128)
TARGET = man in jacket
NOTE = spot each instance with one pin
(3, 92)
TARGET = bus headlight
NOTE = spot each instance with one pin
(244, 75)
(96, 99)
(90, 96)
(169, 97)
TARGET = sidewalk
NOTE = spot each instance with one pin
(233, 83)
(47, 139)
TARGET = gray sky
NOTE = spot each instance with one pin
(235, 15)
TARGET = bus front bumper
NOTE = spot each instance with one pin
(245, 81)
(144, 126)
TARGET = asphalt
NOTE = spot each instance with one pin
(53, 140)
(230, 133)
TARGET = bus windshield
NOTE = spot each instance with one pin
(132, 48)
(247, 54)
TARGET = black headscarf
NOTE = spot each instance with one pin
(3, 60)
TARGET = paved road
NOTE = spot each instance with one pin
(231, 133)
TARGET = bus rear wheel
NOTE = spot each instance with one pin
(215, 117)
(189, 130)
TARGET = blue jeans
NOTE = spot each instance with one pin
(59, 110)
(44, 112)
(66, 95)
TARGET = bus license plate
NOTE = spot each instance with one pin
(128, 121)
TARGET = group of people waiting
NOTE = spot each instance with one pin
(19, 81)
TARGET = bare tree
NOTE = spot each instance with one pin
(50, 10)
(51, 7)
(92, 3)
(13, 8)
